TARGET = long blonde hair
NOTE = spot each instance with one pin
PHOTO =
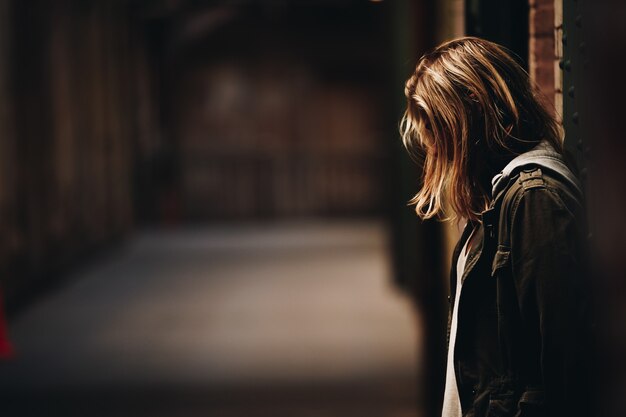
(469, 99)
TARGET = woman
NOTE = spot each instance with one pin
(493, 156)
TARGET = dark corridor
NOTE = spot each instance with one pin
(195, 201)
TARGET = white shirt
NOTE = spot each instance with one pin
(451, 399)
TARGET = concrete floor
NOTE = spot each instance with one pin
(297, 319)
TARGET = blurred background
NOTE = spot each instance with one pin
(203, 203)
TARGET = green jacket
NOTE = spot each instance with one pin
(522, 344)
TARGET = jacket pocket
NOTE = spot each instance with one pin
(531, 404)
(501, 259)
(502, 404)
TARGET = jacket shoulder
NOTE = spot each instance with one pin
(532, 178)
(540, 190)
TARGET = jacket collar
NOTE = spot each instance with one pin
(543, 155)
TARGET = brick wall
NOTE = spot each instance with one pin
(544, 51)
